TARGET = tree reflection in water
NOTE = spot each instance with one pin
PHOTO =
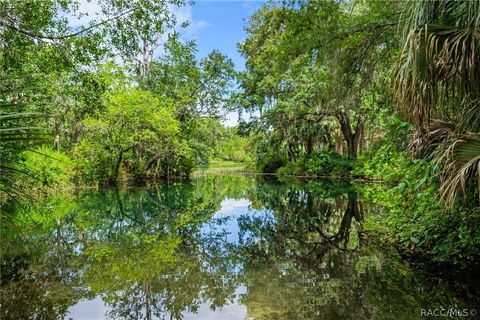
(165, 252)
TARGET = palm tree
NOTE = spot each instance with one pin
(461, 160)
(437, 80)
(18, 132)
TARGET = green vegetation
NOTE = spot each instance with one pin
(114, 123)
(220, 166)
(373, 90)
(341, 93)
(414, 217)
(135, 129)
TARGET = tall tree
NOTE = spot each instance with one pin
(319, 59)
(49, 60)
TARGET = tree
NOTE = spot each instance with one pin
(198, 88)
(135, 124)
(437, 84)
(316, 61)
(202, 92)
(49, 62)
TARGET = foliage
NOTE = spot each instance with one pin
(50, 168)
(461, 167)
(232, 146)
(438, 73)
(387, 157)
(290, 168)
(324, 163)
(137, 135)
(209, 139)
(220, 167)
(14, 138)
(413, 216)
(310, 67)
(196, 87)
(266, 151)
(320, 92)
(59, 82)
(414, 219)
(328, 163)
(437, 84)
(19, 131)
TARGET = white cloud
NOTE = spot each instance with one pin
(184, 14)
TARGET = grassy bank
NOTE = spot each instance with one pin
(220, 166)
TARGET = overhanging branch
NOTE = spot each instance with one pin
(49, 37)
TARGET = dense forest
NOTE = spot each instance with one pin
(377, 91)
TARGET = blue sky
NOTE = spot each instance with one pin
(220, 25)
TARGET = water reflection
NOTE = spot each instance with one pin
(222, 247)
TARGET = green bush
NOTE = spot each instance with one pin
(296, 168)
(389, 165)
(413, 217)
(387, 157)
(137, 137)
(269, 161)
(322, 163)
(92, 163)
(48, 168)
(328, 163)
(232, 148)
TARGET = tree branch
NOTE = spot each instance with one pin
(48, 37)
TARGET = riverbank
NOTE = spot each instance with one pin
(220, 166)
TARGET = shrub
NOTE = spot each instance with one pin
(295, 168)
(328, 163)
(49, 168)
(128, 140)
(414, 218)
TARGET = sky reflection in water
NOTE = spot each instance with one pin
(218, 247)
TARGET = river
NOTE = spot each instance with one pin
(216, 247)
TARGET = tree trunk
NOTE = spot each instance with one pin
(358, 135)
(352, 138)
(291, 153)
(339, 142)
(119, 161)
(309, 146)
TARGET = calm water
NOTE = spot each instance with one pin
(218, 247)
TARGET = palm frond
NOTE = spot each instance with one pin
(461, 162)
(438, 73)
(17, 135)
(438, 133)
(470, 120)
(439, 64)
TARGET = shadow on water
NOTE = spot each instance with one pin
(218, 247)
